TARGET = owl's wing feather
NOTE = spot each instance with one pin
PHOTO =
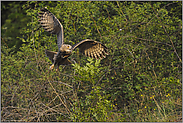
(91, 48)
(51, 24)
(50, 55)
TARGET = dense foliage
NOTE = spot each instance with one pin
(140, 79)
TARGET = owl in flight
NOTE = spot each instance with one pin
(87, 47)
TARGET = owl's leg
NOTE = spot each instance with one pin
(57, 69)
(54, 59)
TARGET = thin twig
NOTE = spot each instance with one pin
(167, 33)
(59, 97)
(96, 26)
(4, 42)
(129, 52)
(62, 83)
(159, 11)
(149, 40)
(121, 11)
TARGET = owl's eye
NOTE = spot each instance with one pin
(67, 46)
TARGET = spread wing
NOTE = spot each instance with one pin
(51, 24)
(91, 48)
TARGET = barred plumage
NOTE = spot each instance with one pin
(88, 47)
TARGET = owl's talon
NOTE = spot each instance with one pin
(52, 66)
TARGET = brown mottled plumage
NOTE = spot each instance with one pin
(88, 47)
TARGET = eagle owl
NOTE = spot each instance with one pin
(88, 47)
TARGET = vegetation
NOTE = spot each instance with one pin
(140, 79)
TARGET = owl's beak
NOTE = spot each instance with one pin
(68, 51)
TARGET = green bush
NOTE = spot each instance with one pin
(91, 103)
(140, 79)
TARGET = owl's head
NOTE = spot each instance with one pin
(66, 49)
